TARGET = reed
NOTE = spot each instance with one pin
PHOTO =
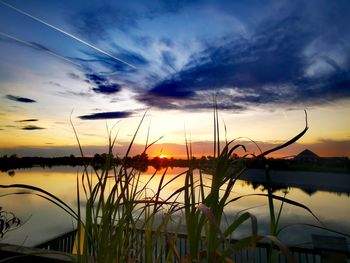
(8, 222)
(123, 220)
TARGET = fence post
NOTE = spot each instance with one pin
(332, 249)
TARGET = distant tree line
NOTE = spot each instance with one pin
(98, 161)
(142, 161)
(13, 161)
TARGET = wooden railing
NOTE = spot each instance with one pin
(64, 243)
(18, 254)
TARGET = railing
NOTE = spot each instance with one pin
(65, 242)
(62, 243)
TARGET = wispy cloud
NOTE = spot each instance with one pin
(70, 93)
(28, 120)
(73, 75)
(114, 67)
(65, 32)
(107, 115)
(20, 99)
(53, 83)
(38, 47)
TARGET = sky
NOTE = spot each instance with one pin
(99, 66)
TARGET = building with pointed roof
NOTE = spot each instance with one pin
(308, 157)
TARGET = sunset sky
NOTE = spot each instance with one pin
(105, 63)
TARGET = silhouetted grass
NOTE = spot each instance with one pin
(122, 221)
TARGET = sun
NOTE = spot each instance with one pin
(162, 156)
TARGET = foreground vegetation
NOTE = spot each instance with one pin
(124, 219)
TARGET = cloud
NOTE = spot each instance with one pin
(172, 89)
(102, 84)
(329, 147)
(99, 21)
(248, 67)
(95, 23)
(144, 41)
(169, 59)
(107, 89)
(112, 65)
(73, 75)
(53, 83)
(36, 46)
(96, 78)
(28, 120)
(70, 93)
(269, 68)
(31, 127)
(107, 115)
(20, 99)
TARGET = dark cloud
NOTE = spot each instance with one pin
(107, 115)
(28, 120)
(172, 89)
(97, 79)
(267, 69)
(107, 89)
(102, 84)
(31, 128)
(20, 99)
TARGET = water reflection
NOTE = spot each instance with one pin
(44, 220)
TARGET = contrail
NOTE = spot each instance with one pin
(37, 47)
(66, 33)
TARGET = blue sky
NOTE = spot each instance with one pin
(112, 60)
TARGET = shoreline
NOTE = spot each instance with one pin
(306, 180)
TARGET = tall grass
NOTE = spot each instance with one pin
(124, 220)
(117, 207)
(204, 206)
(8, 222)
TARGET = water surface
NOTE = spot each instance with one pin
(43, 220)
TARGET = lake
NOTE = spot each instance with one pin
(43, 220)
